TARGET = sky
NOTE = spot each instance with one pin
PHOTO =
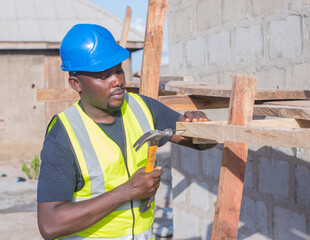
(138, 21)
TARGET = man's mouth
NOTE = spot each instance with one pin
(117, 94)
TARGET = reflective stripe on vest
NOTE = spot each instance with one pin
(141, 236)
(99, 157)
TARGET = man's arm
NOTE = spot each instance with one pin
(64, 218)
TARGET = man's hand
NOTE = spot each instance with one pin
(144, 185)
(193, 116)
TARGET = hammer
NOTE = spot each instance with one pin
(152, 137)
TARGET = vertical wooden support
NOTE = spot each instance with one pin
(228, 204)
(153, 44)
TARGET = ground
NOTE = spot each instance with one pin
(18, 215)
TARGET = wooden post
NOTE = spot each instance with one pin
(229, 196)
(123, 42)
(153, 44)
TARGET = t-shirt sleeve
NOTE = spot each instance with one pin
(57, 178)
(163, 116)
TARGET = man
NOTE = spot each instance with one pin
(91, 179)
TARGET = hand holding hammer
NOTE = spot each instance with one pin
(152, 137)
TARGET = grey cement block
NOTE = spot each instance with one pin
(234, 10)
(210, 79)
(303, 154)
(300, 76)
(211, 163)
(248, 177)
(271, 77)
(199, 195)
(273, 177)
(189, 226)
(177, 51)
(285, 38)
(249, 43)
(254, 216)
(302, 190)
(184, 22)
(189, 159)
(289, 225)
(179, 186)
(195, 52)
(219, 48)
(266, 7)
(208, 14)
(206, 228)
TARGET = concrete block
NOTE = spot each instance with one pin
(189, 226)
(283, 152)
(211, 163)
(195, 52)
(300, 76)
(210, 78)
(303, 154)
(179, 186)
(189, 161)
(206, 228)
(285, 38)
(249, 43)
(273, 177)
(219, 48)
(271, 77)
(266, 7)
(184, 22)
(177, 51)
(248, 177)
(302, 190)
(253, 216)
(199, 195)
(208, 14)
(289, 225)
(234, 10)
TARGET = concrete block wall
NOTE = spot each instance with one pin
(22, 118)
(211, 40)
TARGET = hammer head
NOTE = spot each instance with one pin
(153, 137)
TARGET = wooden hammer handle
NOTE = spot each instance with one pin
(151, 156)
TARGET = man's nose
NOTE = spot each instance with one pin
(117, 80)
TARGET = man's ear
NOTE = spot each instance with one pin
(75, 83)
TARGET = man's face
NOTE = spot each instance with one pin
(103, 90)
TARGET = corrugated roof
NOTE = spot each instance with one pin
(49, 20)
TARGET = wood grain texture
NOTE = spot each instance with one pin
(154, 35)
(204, 89)
(126, 26)
(272, 132)
(228, 204)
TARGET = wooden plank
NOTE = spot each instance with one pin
(57, 95)
(154, 35)
(126, 26)
(190, 103)
(272, 132)
(283, 111)
(204, 89)
(228, 204)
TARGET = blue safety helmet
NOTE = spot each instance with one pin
(90, 48)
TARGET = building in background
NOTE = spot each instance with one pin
(31, 31)
(211, 41)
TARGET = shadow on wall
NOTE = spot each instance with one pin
(276, 191)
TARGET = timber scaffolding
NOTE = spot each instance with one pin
(290, 107)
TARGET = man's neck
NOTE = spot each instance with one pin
(99, 115)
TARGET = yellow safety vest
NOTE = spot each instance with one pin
(108, 170)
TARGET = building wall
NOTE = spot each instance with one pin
(211, 40)
(22, 119)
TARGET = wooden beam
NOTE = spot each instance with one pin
(270, 132)
(126, 26)
(154, 35)
(190, 103)
(228, 204)
(57, 95)
(204, 89)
